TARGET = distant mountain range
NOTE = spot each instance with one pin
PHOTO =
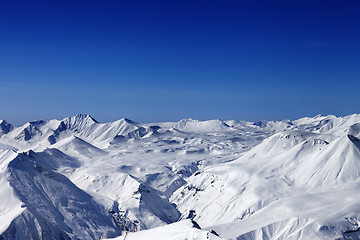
(77, 178)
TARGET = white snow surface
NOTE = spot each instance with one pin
(77, 178)
(175, 231)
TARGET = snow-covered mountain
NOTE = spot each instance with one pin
(77, 178)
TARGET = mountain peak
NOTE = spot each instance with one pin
(37, 122)
(188, 120)
(355, 130)
(82, 117)
(128, 121)
(5, 127)
(76, 122)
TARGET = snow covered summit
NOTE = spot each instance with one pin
(77, 178)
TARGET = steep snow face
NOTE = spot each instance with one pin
(77, 123)
(88, 129)
(354, 130)
(10, 204)
(27, 132)
(77, 178)
(55, 207)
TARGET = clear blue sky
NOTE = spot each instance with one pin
(167, 60)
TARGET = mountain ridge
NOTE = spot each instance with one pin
(241, 180)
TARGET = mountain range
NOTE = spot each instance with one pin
(77, 178)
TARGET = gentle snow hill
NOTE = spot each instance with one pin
(191, 125)
(75, 146)
(328, 124)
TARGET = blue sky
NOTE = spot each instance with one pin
(168, 60)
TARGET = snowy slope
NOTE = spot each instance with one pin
(53, 206)
(191, 125)
(282, 188)
(77, 178)
(181, 230)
